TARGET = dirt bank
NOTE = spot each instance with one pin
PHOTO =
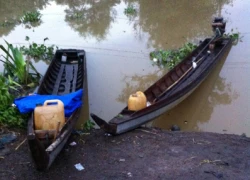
(139, 154)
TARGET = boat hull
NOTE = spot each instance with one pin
(71, 75)
(130, 125)
(169, 98)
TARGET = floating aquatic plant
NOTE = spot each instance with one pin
(235, 36)
(31, 17)
(130, 10)
(171, 58)
(38, 51)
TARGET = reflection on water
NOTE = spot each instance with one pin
(118, 49)
(168, 23)
(90, 18)
(173, 23)
(13, 10)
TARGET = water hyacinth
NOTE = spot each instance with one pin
(170, 58)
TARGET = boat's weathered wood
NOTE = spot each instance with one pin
(42, 134)
(57, 130)
(65, 128)
(57, 146)
(181, 77)
(31, 133)
(39, 155)
(60, 78)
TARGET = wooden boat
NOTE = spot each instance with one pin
(62, 77)
(174, 86)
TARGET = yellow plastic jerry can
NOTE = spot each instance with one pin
(49, 115)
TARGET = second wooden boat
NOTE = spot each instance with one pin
(174, 86)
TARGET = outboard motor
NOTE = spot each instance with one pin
(219, 26)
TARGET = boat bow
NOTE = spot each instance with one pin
(110, 128)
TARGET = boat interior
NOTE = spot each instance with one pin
(64, 77)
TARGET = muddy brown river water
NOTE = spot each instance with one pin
(118, 48)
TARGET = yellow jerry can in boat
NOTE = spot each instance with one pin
(49, 115)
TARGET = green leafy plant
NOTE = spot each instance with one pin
(10, 117)
(17, 68)
(88, 125)
(171, 58)
(19, 75)
(31, 17)
(130, 10)
(235, 36)
(5, 96)
(38, 51)
(9, 88)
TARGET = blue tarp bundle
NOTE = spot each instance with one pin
(71, 102)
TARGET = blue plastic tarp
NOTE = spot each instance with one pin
(71, 102)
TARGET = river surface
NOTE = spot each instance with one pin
(118, 47)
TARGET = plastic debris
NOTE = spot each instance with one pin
(141, 155)
(73, 143)
(148, 103)
(107, 134)
(129, 174)
(7, 138)
(194, 64)
(121, 160)
(155, 60)
(79, 167)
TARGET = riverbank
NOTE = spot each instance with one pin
(139, 154)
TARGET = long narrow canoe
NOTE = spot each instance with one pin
(63, 76)
(173, 87)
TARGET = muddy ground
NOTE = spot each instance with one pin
(139, 154)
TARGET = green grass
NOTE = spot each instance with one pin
(88, 125)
